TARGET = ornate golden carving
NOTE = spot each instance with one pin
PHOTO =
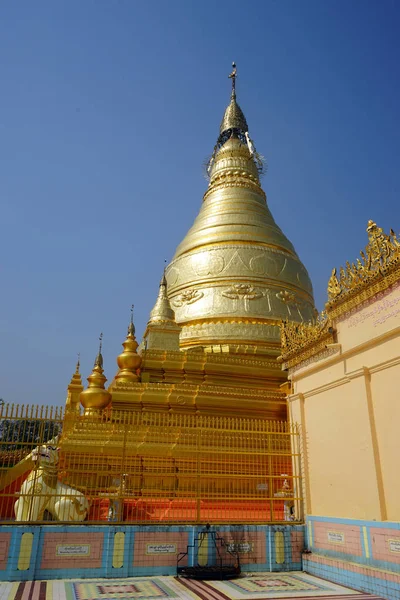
(381, 256)
(377, 270)
(299, 341)
(230, 331)
(334, 288)
(225, 182)
(242, 290)
(188, 297)
(287, 297)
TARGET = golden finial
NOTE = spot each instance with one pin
(95, 397)
(78, 364)
(233, 117)
(233, 77)
(99, 358)
(163, 278)
(131, 328)
(129, 360)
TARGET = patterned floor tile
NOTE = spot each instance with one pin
(259, 586)
(278, 585)
(151, 588)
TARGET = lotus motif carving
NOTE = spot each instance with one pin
(188, 297)
(286, 297)
(242, 290)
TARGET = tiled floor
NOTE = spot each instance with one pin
(257, 586)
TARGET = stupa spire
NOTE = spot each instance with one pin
(95, 398)
(162, 311)
(162, 330)
(75, 387)
(235, 265)
(233, 120)
(129, 360)
(76, 377)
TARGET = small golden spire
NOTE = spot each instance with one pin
(162, 311)
(233, 118)
(129, 360)
(95, 398)
(162, 331)
(76, 377)
(75, 387)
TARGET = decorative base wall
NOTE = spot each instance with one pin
(61, 552)
(364, 555)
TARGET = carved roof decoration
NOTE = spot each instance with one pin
(376, 271)
(378, 268)
(300, 341)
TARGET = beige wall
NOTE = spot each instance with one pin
(347, 401)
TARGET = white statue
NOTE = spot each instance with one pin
(42, 491)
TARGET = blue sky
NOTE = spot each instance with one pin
(108, 111)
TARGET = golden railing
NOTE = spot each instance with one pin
(147, 467)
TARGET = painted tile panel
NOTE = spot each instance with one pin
(159, 549)
(72, 550)
(338, 537)
(385, 544)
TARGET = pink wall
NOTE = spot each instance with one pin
(50, 560)
(351, 533)
(142, 557)
(380, 542)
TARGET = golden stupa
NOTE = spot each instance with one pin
(195, 418)
(233, 278)
(235, 275)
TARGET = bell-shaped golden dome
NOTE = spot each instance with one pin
(235, 275)
(95, 398)
(129, 360)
